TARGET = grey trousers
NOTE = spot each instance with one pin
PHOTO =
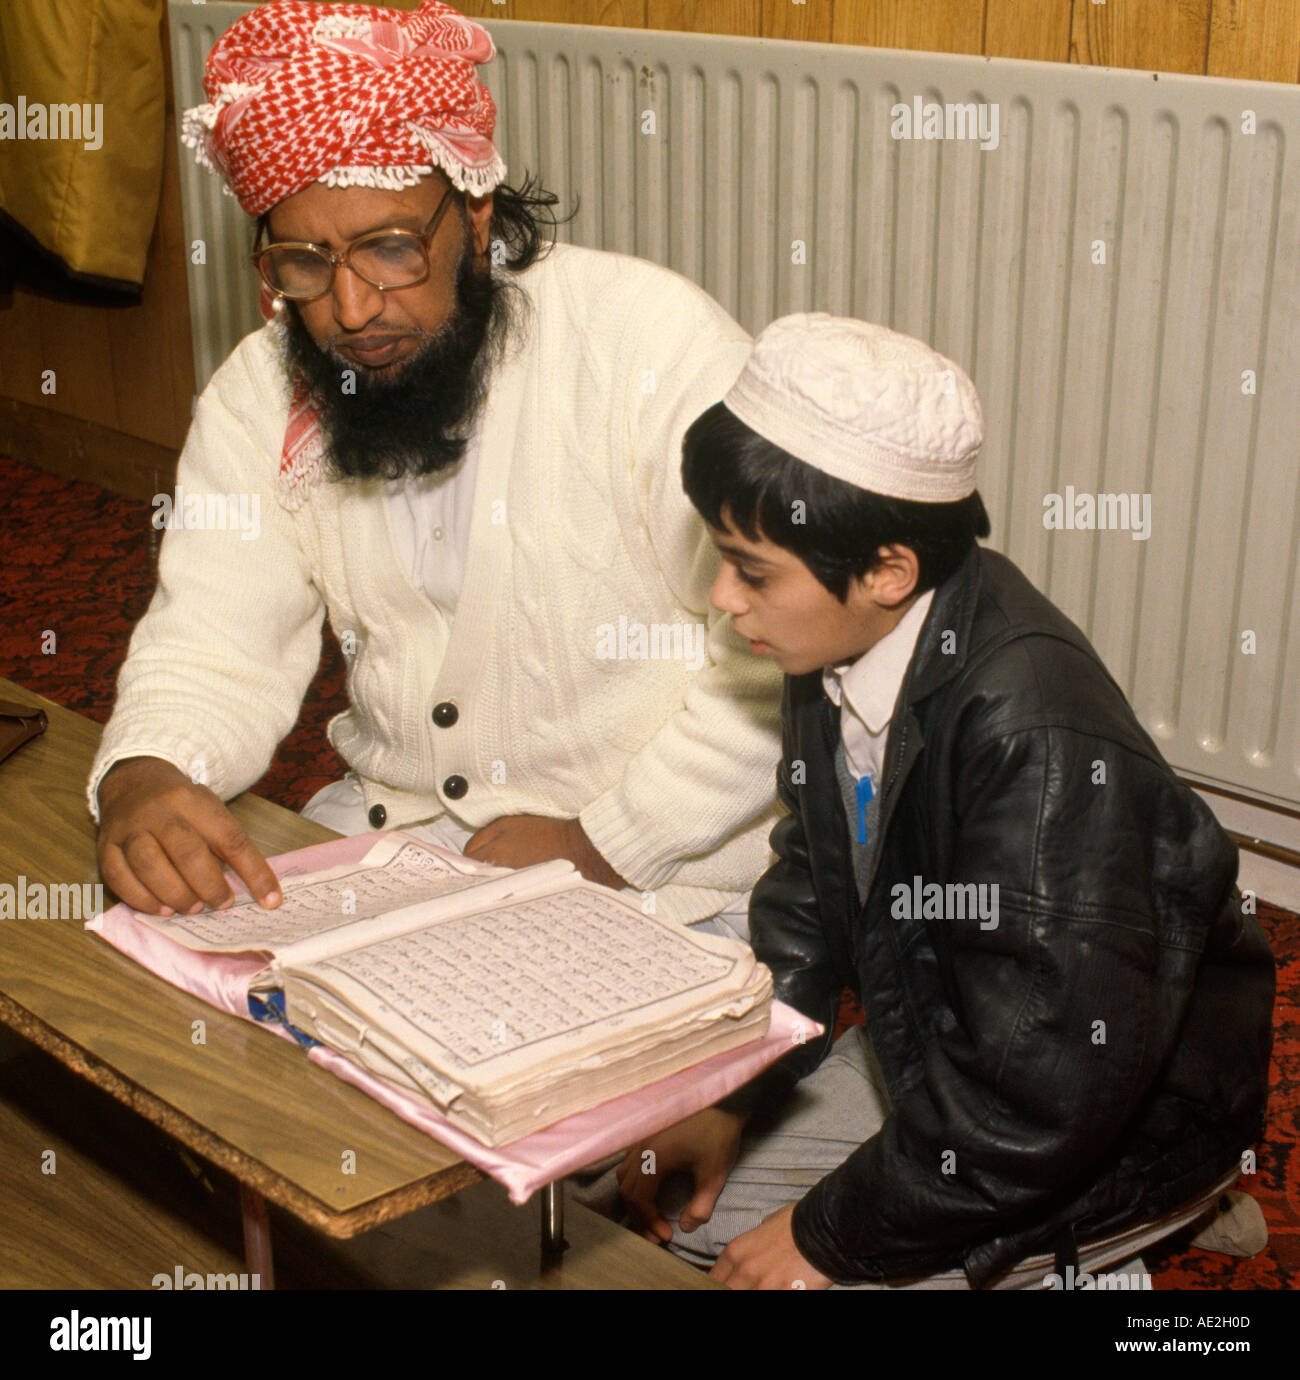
(831, 1112)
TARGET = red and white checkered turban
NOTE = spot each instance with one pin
(348, 95)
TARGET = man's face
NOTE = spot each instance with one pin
(786, 613)
(366, 329)
(397, 378)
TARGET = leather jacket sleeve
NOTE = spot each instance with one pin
(786, 933)
(1059, 1016)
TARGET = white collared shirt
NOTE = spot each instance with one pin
(429, 518)
(867, 688)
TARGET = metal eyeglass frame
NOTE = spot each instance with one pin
(337, 261)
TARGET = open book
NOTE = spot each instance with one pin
(507, 1000)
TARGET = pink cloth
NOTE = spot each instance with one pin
(223, 980)
(577, 1141)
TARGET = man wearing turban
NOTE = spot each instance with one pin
(463, 447)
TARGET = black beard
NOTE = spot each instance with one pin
(417, 420)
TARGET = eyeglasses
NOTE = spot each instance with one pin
(386, 259)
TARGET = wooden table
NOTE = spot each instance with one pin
(289, 1132)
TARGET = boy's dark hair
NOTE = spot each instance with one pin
(843, 527)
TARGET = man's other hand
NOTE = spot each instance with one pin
(704, 1145)
(767, 1258)
(518, 840)
(164, 842)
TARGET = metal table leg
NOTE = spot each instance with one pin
(257, 1236)
(553, 1241)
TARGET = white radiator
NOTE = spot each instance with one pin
(768, 172)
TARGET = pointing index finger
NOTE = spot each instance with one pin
(241, 855)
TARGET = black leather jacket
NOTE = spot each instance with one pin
(1117, 904)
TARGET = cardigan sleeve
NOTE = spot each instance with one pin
(688, 802)
(218, 665)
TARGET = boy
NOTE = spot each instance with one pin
(1067, 1011)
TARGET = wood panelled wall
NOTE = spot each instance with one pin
(123, 412)
(1257, 39)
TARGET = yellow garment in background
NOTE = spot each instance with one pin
(94, 208)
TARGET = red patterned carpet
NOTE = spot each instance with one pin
(79, 562)
(64, 543)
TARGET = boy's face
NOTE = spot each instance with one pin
(788, 614)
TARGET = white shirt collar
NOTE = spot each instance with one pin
(872, 682)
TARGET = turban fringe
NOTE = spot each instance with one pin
(347, 95)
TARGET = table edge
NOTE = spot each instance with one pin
(271, 1184)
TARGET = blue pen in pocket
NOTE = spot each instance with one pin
(865, 791)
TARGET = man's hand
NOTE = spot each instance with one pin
(517, 840)
(164, 841)
(705, 1144)
(767, 1258)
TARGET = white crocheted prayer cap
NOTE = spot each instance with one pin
(864, 404)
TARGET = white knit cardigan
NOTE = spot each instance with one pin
(579, 520)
